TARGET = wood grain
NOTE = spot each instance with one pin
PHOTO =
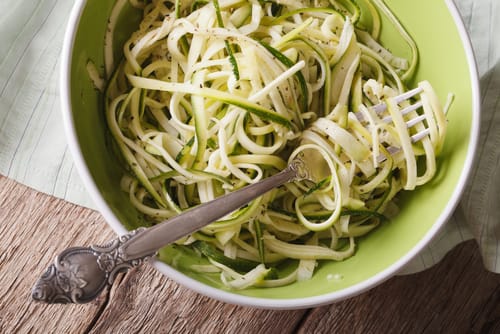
(34, 228)
(147, 302)
(455, 296)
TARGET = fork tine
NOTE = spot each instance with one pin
(408, 95)
(405, 111)
(378, 108)
(393, 149)
(381, 107)
(415, 120)
(420, 135)
(412, 107)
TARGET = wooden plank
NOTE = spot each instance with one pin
(455, 296)
(145, 301)
(33, 229)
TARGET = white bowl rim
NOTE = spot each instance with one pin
(257, 302)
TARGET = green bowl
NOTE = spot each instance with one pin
(446, 60)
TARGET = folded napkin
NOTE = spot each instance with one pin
(33, 147)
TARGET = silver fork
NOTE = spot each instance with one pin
(381, 107)
(80, 274)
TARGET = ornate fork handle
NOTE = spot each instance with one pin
(80, 274)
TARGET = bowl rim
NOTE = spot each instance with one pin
(259, 302)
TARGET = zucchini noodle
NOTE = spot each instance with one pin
(211, 96)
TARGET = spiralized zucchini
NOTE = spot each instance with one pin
(214, 95)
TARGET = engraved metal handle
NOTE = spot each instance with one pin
(80, 274)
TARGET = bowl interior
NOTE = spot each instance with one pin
(444, 62)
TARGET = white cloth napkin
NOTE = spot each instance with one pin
(33, 147)
(32, 143)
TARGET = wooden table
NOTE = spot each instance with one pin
(455, 296)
